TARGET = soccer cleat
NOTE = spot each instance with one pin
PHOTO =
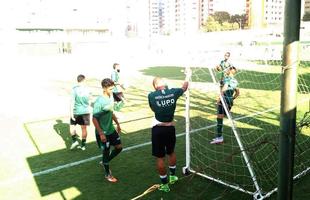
(111, 178)
(164, 187)
(74, 145)
(173, 179)
(217, 140)
(101, 163)
(83, 148)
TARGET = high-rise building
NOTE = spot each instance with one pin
(264, 13)
(307, 6)
(238, 6)
(274, 12)
(173, 16)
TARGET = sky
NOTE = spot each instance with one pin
(232, 6)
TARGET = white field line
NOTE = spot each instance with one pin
(54, 169)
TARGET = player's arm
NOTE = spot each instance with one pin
(218, 68)
(72, 101)
(236, 93)
(188, 74)
(224, 88)
(118, 127)
(98, 128)
(149, 100)
(185, 86)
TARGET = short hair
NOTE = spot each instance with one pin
(228, 53)
(107, 82)
(232, 67)
(157, 81)
(80, 78)
(114, 65)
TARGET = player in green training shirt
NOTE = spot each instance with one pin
(79, 112)
(118, 87)
(222, 67)
(106, 134)
(229, 92)
(163, 103)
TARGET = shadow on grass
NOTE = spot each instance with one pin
(135, 167)
(63, 130)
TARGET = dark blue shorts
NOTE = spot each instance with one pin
(83, 119)
(221, 110)
(112, 139)
(163, 140)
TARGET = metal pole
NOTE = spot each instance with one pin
(187, 118)
(288, 98)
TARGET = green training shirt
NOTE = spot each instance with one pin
(163, 103)
(115, 79)
(224, 66)
(80, 95)
(232, 85)
(103, 112)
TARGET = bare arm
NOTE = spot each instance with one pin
(71, 108)
(100, 131)
(218, 68)
(237, 93)
(118, 127)
(185, 86)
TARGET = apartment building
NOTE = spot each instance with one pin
(265, 13)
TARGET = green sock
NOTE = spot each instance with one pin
(74, 138)
(107, 169)
(83, 142)
(105, 161)
(114, 153)
(164, 179)
(172, 170)
(219, 127)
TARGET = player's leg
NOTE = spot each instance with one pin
(219, 127)
(84, 136)
(170, 145)
(105, 162)
(86, 122)
(73, 132)
(115, 140)
(158, 150)
(118, 101)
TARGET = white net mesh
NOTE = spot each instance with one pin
(255, 114)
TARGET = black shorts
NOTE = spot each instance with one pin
(118, 96)
(112, 139)
(163, 140)
(221, 110)
(83, 119)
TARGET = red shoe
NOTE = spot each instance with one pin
(111, 178)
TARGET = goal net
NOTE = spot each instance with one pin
(249, 157)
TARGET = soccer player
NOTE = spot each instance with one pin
(229, 92)
(163, 103)
(118, 87)
(106, 134)
(79, 112)
(222, 67)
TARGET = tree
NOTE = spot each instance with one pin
(306, 17)
(239, 19)
(221, 17)
(211, 25)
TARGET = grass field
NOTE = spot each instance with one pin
(36, 162)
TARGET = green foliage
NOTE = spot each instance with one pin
(306, 17)
(211, 25)
(222, 21)
(221, 17)
(239, 19)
